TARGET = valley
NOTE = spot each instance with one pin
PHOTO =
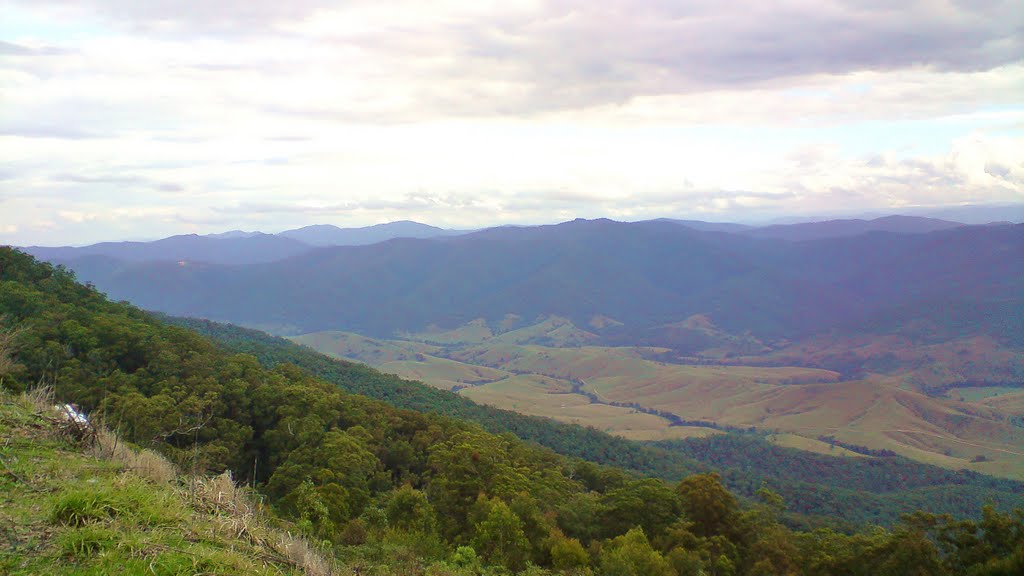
(895, 335)
(548, 369)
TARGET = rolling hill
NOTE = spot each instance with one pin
(874, 488)
(628, 391)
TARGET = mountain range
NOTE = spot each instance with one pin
(896, 334)
(643, 275)
(245, 247)
(328, 235)
(238, 247)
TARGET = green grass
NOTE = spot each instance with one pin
(65, 510)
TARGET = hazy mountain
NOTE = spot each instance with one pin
(239, 247)
(854, 227)
(970, 214)
(644, 275)
(974, 213)
(708, 226)
(233, 234)
(232, 249)
(328, 235)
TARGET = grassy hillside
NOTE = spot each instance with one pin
(75, 504)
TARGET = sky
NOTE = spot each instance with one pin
(122, 119)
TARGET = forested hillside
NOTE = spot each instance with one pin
(648, 324)
(825, 489)
(404, 492)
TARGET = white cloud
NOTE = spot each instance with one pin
(157, 117)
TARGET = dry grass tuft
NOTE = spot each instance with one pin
(300, 554)
(38, 400)
(238, 516)
(145, 463)
(220, 495)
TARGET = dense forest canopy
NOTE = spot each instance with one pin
(410, 490)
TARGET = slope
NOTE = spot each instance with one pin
(91, 505)
(374, 482)
(922, 485)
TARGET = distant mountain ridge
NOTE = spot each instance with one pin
(233, 250)
(644, 274)
(329, 235)
(232, 234)
(239, 247)
(843, 228)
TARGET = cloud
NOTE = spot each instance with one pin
(29, 129)
(186, 16)
(262, 114)
(127, 180)
(571, 53)
(12, 49)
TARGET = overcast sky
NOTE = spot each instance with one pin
(140, 119)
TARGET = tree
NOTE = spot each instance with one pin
(711, 507)
(409, 511)
(648, 503)
(910, 553)
(631, 555)
(6, 350)
(567, 553)
(499, 538)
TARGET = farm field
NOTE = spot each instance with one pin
(551, 369)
